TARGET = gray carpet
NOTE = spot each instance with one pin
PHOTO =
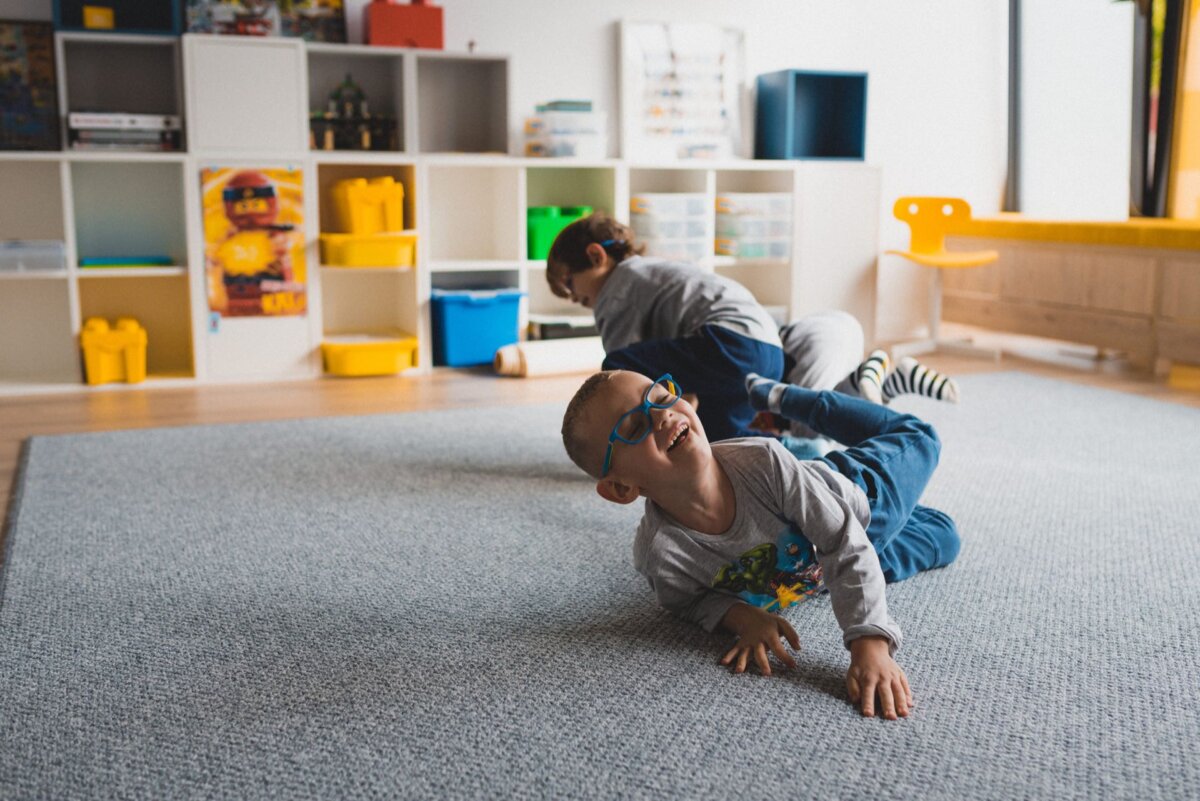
(439, 606)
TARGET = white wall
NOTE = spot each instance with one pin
(1076, 108)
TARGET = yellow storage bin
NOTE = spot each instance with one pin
(368, 250)
(113, 353)
(369, 354)
(369, 206)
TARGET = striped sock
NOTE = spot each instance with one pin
(913, 378)
(764, 393)
(867, 379)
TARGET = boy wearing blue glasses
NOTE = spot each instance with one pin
(735, 531)
(709, 331)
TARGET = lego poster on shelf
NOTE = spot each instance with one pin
(314, 20)
(254, 241)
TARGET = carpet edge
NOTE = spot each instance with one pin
(12, 512)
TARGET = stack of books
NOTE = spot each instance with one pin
(87, 130)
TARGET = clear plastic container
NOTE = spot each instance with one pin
(32, 256)
(763, 204)
(660, 227)
(566, 123)
(579, 146)
(745, 225)
(691, 250)
(753, 248)
(670, 204)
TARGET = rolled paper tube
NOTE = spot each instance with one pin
(550, 357)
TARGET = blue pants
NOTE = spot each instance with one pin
(713, 364)
(891, 457)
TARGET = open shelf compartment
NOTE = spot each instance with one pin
(378, 72)
(159, 303)
(129, 209)
(462, 104)
(130, 74)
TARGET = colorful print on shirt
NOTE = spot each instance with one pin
(773, 575)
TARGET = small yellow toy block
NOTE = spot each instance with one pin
(99, 18)
(113, 353)
(369, 206)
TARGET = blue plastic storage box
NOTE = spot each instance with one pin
(470, 325)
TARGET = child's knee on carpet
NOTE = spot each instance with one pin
(929, 540)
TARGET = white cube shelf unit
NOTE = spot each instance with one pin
(465, 199)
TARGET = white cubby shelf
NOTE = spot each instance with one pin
(465, 201)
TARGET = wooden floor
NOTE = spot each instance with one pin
(122, 408)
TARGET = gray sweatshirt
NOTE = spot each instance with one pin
(645, 299)
(796, 523)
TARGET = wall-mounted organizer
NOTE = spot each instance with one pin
(811, 115)
(464, 214)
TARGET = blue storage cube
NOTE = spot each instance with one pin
(470, 325)
(811, 115)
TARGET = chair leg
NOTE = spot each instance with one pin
(961, 347)
(935, 305)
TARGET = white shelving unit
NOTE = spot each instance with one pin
(465, 201)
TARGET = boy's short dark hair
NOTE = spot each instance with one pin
(568, 254)
(577, 448)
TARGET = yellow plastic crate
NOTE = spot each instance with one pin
(113, 353)
(372, 206)
(368, 250)
(369, 354)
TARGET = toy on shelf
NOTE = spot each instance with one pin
(314, 20)
(115, 353)
(418, 24)
(370, 216)
(348, 124)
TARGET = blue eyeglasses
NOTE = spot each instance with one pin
(635, 425)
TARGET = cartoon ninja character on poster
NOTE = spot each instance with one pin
(250, 259)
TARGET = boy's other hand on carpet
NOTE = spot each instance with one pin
(757, 632)
(874, 672)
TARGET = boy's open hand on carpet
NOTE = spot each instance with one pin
(873, 671)
(757, 632)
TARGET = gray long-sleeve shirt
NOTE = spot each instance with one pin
(795, 522)
(644, 299)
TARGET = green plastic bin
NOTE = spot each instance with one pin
(545, 222)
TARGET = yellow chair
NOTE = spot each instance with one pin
(930, 219)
